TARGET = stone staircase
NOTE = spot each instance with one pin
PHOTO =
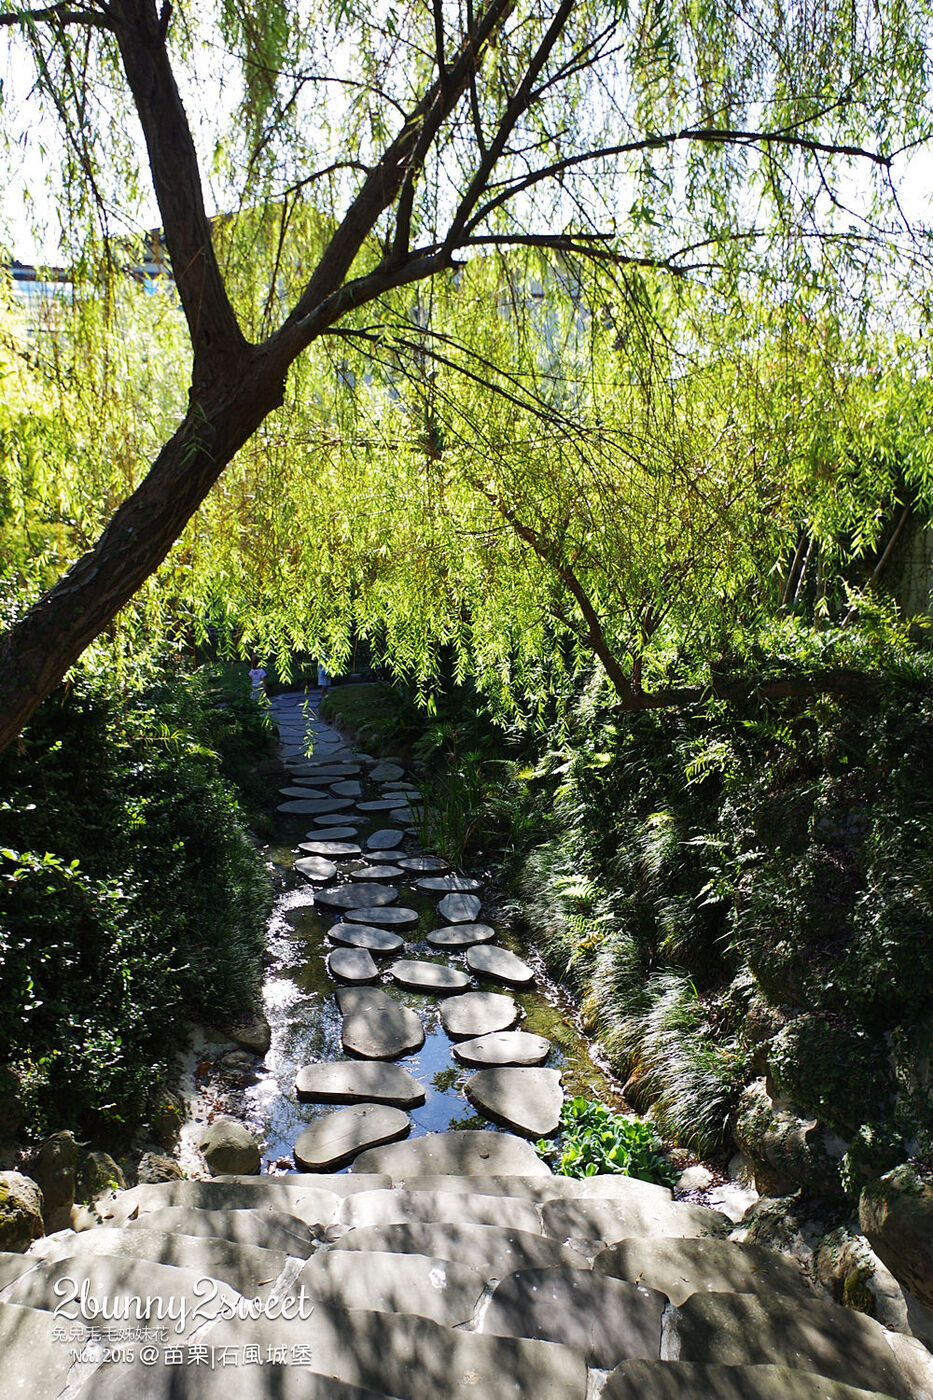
(423, 1273)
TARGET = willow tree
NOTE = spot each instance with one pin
(698, 139)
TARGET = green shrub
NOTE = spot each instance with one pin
(594, 1140)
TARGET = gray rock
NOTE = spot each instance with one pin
(315, 806)
(461, 935)
(395, 917)
(386, 839)
(353, 1081)
(439, 1289)
(682, 1267)
(459, 908)
(492, 1250)
(437, 1207)
(97, 1172)
(20, 1212)
(420, 976)
(378, 872)
(315, 868)
(423, 864)
(313, 1200)
(503, 1048)
(375, 1026)
(470, 1153)
(479, 1013)
(34, 1366)
(378, 804)
(746, 1329)
(327, 820)
(448, 883)
(386, 772)
(346, 788)
(334, 1140)
(332, 849)
(132, 1380)
(499, 964)
(258, 1229)
(306, 794)
(352, 965)
(526, 1100)
(695, 1178)
(377, 940)
(896, 1214)
(607, 1324)
(331, 833)
(683, 1380)
(353, 896)
(404, 815)
(254, 1035)
(52, 1164)
(154, 1167)
(605, 1221)
(383, 858)
(229, 1147)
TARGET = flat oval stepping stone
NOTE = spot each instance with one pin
(351, 1081)
(315, 868)
(352, 965)
(428, 977)
(406, 814)
(311, 793)
(316, 806)
(478, 1013)
(326, 772)
(386, 839)
(394, 917)
(461, 935)
(423, 864)
(352, 896)
(470, 1152)
(527, 1100)
(386, 772)
(346, 788)
(377, 940)
(328, 818)
(331, 833)
(375, 1026)
(332, 849)
(378, 872)
(445, 883)
(501, 965)
(503, 1048)
(377, 804)
(382, 858)
(336, 1139)
(459, 908)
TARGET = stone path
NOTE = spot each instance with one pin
(447, 1264)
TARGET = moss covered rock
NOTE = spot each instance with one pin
(896, 1213)
(784, 1147)
(833, 1071)
(20, 1212)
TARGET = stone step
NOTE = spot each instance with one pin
(262, 1228)
(399, 1206)
(503, 1048)
(33, 1366)
(682, 1380)
(461, 935)
(336, 1138)
(543, 1186)
(527, 1100)
(216, 1379)
(375, 1026)
(469, 1153)
(379, 1281)
(748, 1329)
(419, 976)
(314, 1203)
(459, 908)
(479, 1013)
(608, 1321)
(682, 1267)
(376, 940)
(13, 1265)
(352, 965)
(499, 965)
(247, 1269)
(354, 1081)
(601, 1223)
(491, 1249)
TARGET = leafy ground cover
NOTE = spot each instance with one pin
(594, 1140)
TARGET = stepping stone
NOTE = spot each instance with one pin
(378, 872)
(423, 864)
(478, 1013)
(352, 1081)
(334, 1140)
(500, 965)
(346, 788)
(375, 1026)
(748, 1329)
(460, 935)
(403, 792)
(606, 1222)
(327, 772)
(331, 849)
(684, 1380)
(439, 1289)
(681, 1268)
(316, 806)
(397, 917)
(132, 1379)
(352, 965)
(312, 794)
(377, 940)
(315, 868)
(378, 804)
(350, 896)
(401, 1207)
(315, 1203)
(459, 908)
(33, 1365)
(261, 1229)
(607, 1325)
(383, 858)
(404, 815)
(428, 977)
(386, 839)
(328, 819)
(492, 1250)
(331, 833)
(469, 1153)
(386, 772)
(445, 883)
(526, 1100)
(504, 1048)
